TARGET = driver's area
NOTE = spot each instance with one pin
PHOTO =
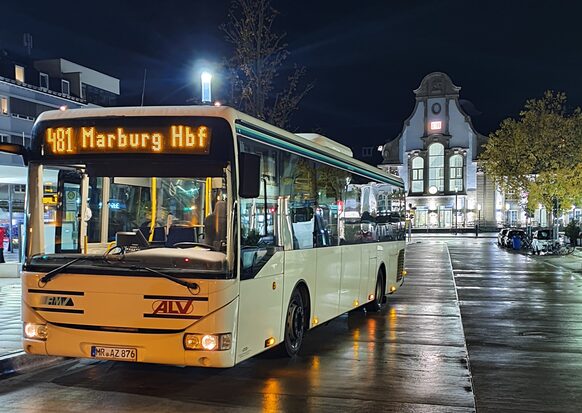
(168, 220)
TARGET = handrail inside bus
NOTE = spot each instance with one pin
(154, 188)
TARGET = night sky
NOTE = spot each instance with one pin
(365, 57)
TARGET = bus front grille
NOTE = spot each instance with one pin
(400, 265)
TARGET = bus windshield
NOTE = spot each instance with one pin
(159, 217)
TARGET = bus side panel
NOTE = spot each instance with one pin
(261, 304)
(328, 283)
(350, 277)
(299, 265)
(365, 274)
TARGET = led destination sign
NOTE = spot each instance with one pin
(172, 139)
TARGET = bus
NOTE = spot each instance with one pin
(196, 235)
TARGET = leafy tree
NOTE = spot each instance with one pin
(257, 61)
(539, 154)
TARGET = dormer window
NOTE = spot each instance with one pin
(65, 87)
(19, 73)
(43, 80)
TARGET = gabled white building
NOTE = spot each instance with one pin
(436, 155)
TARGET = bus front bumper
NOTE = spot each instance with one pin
(166, 348)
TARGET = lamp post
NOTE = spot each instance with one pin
(206, 82)
(478, 219)
(455, 209)
(507, 215)
(433, 190)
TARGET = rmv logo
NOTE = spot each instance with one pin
(173, 307)
(63, 301)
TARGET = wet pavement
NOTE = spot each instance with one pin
(522, 317)
(517, 317)
(10, 324)
(411, 357)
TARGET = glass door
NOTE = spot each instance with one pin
(68, 212)
(445, 217)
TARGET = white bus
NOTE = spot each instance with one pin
(196, 235)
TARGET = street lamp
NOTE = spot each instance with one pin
(478, 219)
(456, 206)
(507, 218)
(206, 81)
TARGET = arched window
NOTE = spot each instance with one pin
(436, 166)
(456, 173)
(417, 175)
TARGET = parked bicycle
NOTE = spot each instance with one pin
(564, 249)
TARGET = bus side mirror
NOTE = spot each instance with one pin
(15, 149)
(250, 170)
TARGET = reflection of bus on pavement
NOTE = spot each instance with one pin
(212, 237)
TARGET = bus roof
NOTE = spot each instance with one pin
(235, 118)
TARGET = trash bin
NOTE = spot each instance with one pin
(516, 241)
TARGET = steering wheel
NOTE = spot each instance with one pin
(188, 244)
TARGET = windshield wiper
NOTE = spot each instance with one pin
(53, 273)
(190, 286)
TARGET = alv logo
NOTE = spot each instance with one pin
(173, 306)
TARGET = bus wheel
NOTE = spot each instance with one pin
(376, 303)
(294, 325)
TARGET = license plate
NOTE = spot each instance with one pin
(114, 353)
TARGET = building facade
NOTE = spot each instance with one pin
(436, 154)
(28, 88)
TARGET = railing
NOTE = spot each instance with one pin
(43, 90)
(25, 117)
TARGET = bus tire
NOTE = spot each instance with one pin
(376, 304)
(294, 325)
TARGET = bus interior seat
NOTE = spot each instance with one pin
(181, 233)
(159, 234)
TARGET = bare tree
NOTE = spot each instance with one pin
(259, 54)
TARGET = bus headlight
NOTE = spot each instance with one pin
(35, 331)
(208, 342)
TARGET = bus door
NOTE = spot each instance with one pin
(67, 231)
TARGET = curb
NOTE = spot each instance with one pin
(21, 362)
